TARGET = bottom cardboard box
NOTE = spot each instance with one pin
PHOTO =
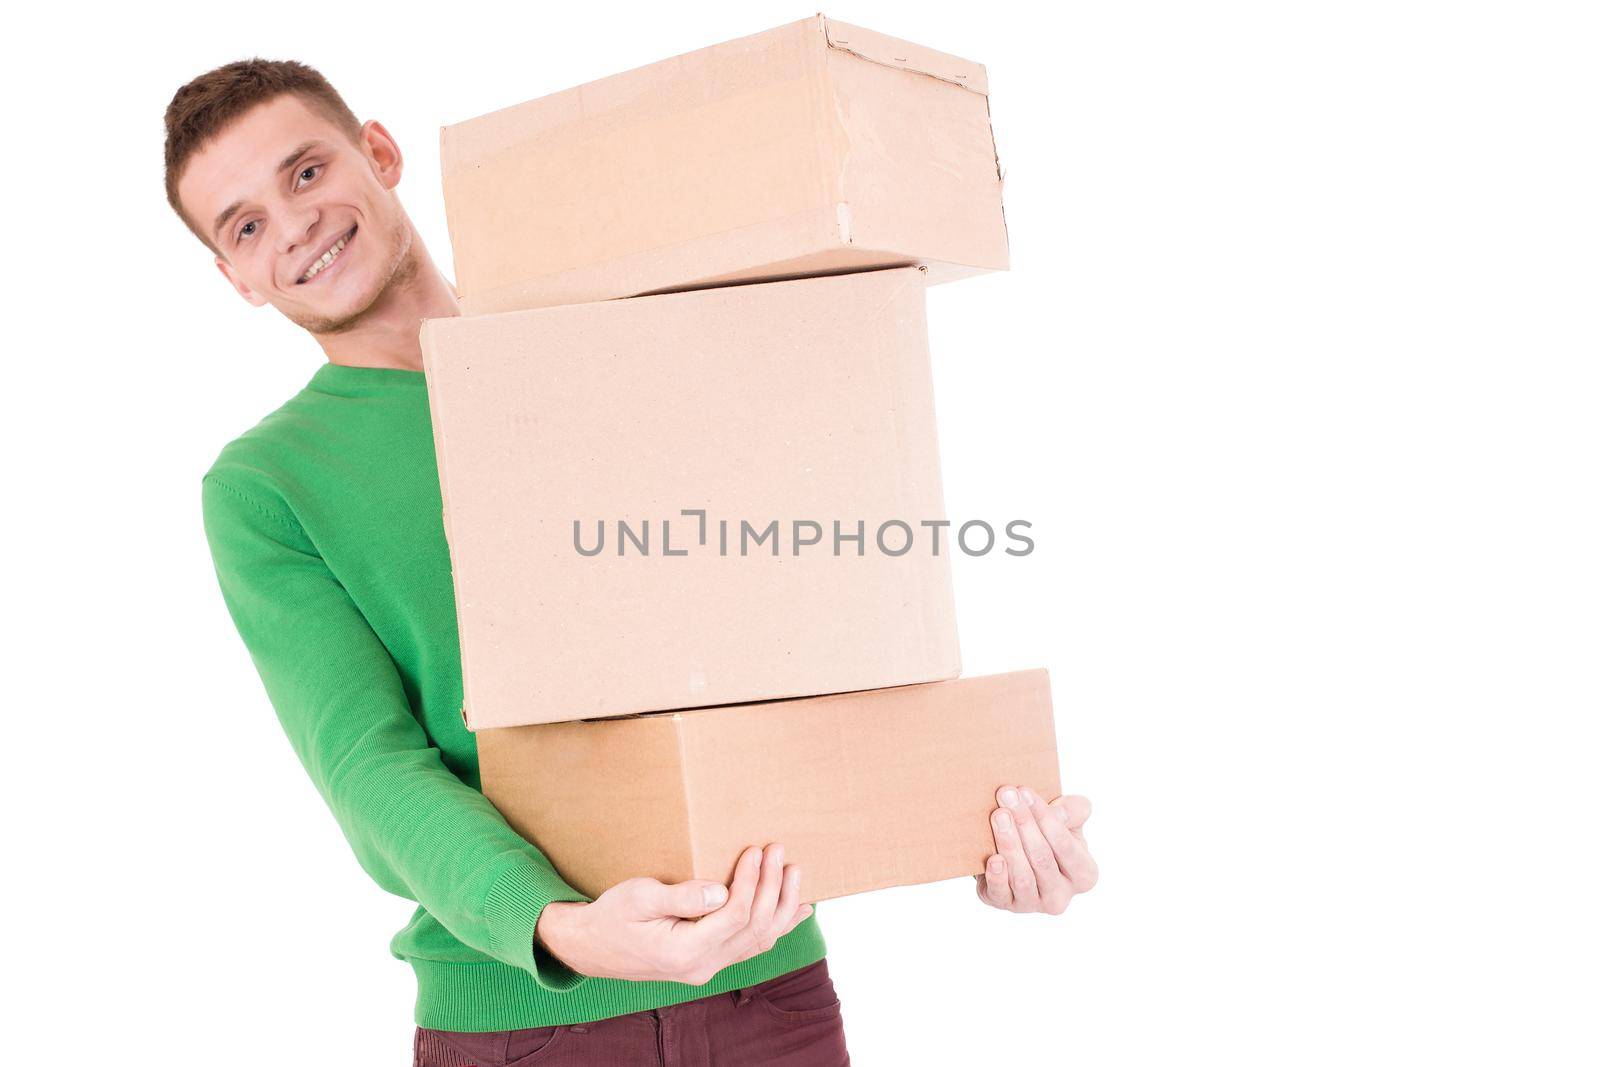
(865, 790)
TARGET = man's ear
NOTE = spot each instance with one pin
(239, 287)
(383, 153)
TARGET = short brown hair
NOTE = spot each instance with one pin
(203, 108)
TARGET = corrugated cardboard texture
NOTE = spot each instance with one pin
(801, 400)
(814, 148)
(864, 790)
(550, 773)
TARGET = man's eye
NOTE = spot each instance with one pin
(310, 173)
(247, 229)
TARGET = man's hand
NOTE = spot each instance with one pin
(1041, 859)
(646, 930)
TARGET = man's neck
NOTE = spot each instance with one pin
(387, 336)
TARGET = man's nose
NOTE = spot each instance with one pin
(295, 227)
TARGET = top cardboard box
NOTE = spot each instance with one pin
(814, 148)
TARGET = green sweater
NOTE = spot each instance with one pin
(326, 528)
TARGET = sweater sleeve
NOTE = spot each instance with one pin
(417, 829)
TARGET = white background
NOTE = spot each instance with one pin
(1295, 372)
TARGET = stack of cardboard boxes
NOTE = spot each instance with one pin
(686, 441)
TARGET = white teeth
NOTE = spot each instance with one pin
(327, 257)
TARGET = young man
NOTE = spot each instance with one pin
(324, 522)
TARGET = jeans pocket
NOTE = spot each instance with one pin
(529, 1047)
(504, 1048)
(800, 997)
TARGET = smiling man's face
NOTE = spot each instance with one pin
(301, 217)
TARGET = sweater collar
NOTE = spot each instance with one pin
(339, 380)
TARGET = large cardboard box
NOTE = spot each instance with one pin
(864, 790)
(689, 417)
(816, 147)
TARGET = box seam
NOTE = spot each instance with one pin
(839, 46)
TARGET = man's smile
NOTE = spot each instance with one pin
(322, 261)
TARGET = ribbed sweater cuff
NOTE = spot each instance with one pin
(511, 909)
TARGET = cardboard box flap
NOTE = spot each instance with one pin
(893, 52)
(653, 92)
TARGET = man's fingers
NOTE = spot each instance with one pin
(1008, 842)
(788, 903)
(994, 888)
(735, 914)
(768, 888)
(779, 884)
(1070, 851)
(1080, 866)
(756, 935)
(763, 932)
(1042, 859)
(1078, 861)
(1052, 822)
(1050, 880)
(763, 904)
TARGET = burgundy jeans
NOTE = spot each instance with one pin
(793, 1020)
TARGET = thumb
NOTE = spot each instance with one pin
(686, 900)
(1076, 809)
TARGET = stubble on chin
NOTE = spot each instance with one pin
(402, 268)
